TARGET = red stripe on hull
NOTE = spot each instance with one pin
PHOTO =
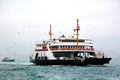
(41, 49)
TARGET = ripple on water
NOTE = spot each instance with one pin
(26, 71)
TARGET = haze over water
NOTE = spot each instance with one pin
(23, 22)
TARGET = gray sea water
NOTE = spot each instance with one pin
(28, 71)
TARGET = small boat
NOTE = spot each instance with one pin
(7, 59)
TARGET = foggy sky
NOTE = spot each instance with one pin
(22, 22)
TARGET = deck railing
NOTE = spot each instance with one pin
(55, 49)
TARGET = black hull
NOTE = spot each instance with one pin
(96, 61)
(12, 60)
(87, 61)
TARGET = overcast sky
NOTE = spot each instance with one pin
(22, 22)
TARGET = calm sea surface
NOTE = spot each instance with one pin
(28, 71)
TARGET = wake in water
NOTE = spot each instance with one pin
(17, 63)
(28, 71)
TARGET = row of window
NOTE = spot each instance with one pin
(71, 40)
(70, 47)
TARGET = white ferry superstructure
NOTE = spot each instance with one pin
(72, 50)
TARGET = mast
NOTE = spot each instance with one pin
(50, 32)
(77, 33)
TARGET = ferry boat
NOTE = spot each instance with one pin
(70, 50)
